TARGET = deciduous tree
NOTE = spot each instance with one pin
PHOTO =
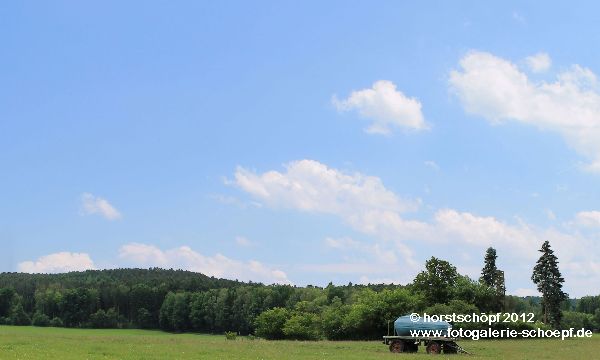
(437, 281)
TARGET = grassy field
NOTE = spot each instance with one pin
(57, 343)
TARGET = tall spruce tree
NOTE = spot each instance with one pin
(493, 278)
(489, 273)
(549, 282)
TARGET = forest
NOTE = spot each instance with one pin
(184, 301)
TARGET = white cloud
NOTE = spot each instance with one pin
(359, 200)
(538, 63)
(385, 106)
(91, 204)
(311, 186)
(366, 205)
(58, 263)
(588, 218)
(496, 89)
(185, 258)
(485, 231)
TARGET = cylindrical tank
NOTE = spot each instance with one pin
(404, 324)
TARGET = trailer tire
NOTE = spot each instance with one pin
(397, 346)
(433, 348)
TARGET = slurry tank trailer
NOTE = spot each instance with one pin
(409, 333)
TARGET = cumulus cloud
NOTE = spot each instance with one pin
(184, 257)
(588, 218)
(385, 106)
(538, 63)
(485, 231)
(366, 205)
(521, 240)
(58, 263)
(311, 186)
(91, 204)
(581, 277)
(359, 200)
(497, 90)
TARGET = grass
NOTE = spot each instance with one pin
(58, 343)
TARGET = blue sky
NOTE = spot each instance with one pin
(300, 142)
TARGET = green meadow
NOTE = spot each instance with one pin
(59, 343)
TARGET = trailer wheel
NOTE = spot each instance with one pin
(433, 348)
(397, 346)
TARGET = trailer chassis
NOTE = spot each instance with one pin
(433, 345)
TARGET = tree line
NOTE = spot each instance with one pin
(180, 301)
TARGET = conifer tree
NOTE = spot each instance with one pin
(492, 277)
(548, 279)
(489, 272)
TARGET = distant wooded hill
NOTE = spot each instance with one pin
(177, 300)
